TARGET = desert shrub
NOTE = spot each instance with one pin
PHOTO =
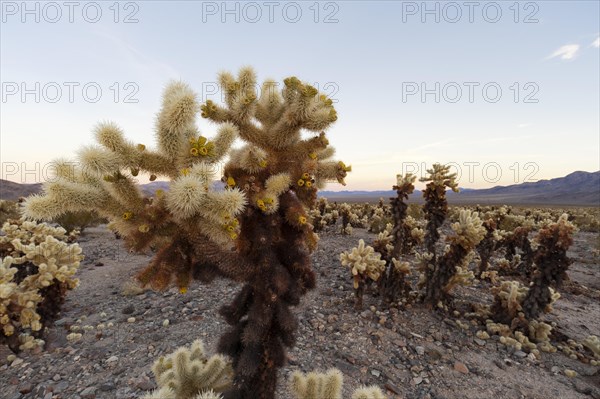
(365, 265)
(8, 210)
(36, 271)
(254, 231)
(79, 221)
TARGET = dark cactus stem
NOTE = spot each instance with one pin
(486, 247)
(435, 290)
(260, 315)
(436, 209)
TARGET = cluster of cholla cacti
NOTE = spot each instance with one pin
(188, 373)
(501, 238)
(37, 269)
(254, 231)
(323, 215)
(440, 272)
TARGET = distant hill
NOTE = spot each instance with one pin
(578, 189)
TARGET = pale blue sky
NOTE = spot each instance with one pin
(368, 61)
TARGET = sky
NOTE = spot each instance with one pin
(506, 92)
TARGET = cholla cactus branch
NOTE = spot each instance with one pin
(327, 386)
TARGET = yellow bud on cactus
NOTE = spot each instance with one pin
(312, 155)
(127, 216)
(185, 171)
(194, 151)
(159, 193)
(230, 181)
(203, 151)
(183, 290)
(268, 200)
(144, 228)
(308, 184)
(300, 182)
(260, 203)
(231, 229)
(233, 236)
(235, 222)
(202, 140)
(301, 219)
(141, 147)
(262, 164)
(192, 141)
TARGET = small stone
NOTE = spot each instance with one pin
(129, 309)
(56, 377)
(520, 354)
(479, 342)
(420, 350)
(165, 323)
(112, 359)
(108, 386)
(88, 393)
(376, 373)
(461, 368)
(61, 386)
(417, 380)
(26, 388)
(555, 369)
(131, 320)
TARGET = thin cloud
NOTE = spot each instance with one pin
(523, 125)
(596, 43)
(566, 52)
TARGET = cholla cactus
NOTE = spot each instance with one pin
(37, 269)
(327, 386)
(551, 264)
(442, 273)
(365, 264)
(518, 238)
(403, 241)
(270, 182)
(188, 373)
(486, 247)
(8, 210)
(436, 205)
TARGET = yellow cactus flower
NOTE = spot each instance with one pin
(260, 203)
(312, 155)
(185, 171)
(230, 181)
(141, 147)
(301, 219)
(203, 151)
(233, 236)
(300, 182)
(305, 176)
(308, 184)
(183, 290)
(127, 215)
(194, 151)
(263, 164)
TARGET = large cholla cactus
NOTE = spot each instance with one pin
(36, 271)
(327, 386)
(443, 272)
(270, 182)
(188, 373)
(365, 264)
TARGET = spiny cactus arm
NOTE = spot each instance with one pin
(269, 107)
(316, 385)
(368, 393)
(162, 393)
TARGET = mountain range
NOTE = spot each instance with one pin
(576, 189)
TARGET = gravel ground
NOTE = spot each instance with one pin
(410, 353)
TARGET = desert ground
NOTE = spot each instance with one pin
(410, 352)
